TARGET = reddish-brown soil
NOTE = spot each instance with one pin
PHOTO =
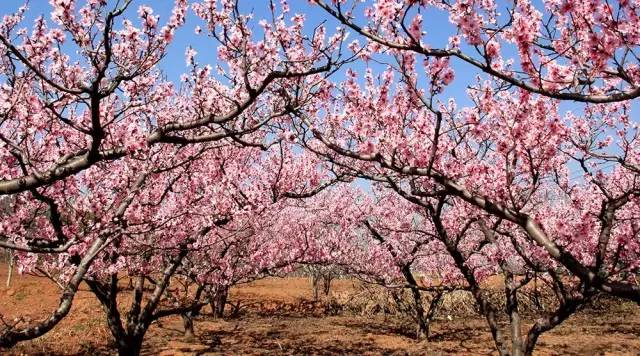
(276, 317)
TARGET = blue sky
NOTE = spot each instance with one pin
(173, 65)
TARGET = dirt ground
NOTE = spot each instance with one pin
(276, 317)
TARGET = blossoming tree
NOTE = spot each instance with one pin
(514, 142)
(108, 168)
(93, 144)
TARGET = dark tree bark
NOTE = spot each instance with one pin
(422, 331)
(315, 286)
(433, 308)
(187, 316)
(219, 301)
(187, 323)
(423, 323)
(511, 294)
(327, 278)
(129, 339)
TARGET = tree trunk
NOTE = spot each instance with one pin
(433, 308)
(422, 331)
(543, 325)
(511, 293)
(315, 286)
(423, 325)
(187, 317)
(326, 283)
(483, 303)
(187, 322)
(10, 271)
(128, 340)
(130, 346)
(219, 301)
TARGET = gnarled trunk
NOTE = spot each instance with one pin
(130, 346)
(327, 278)
(511, 293)
(187, 323)
(422, 331)
(218, 302)
(315, 286)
